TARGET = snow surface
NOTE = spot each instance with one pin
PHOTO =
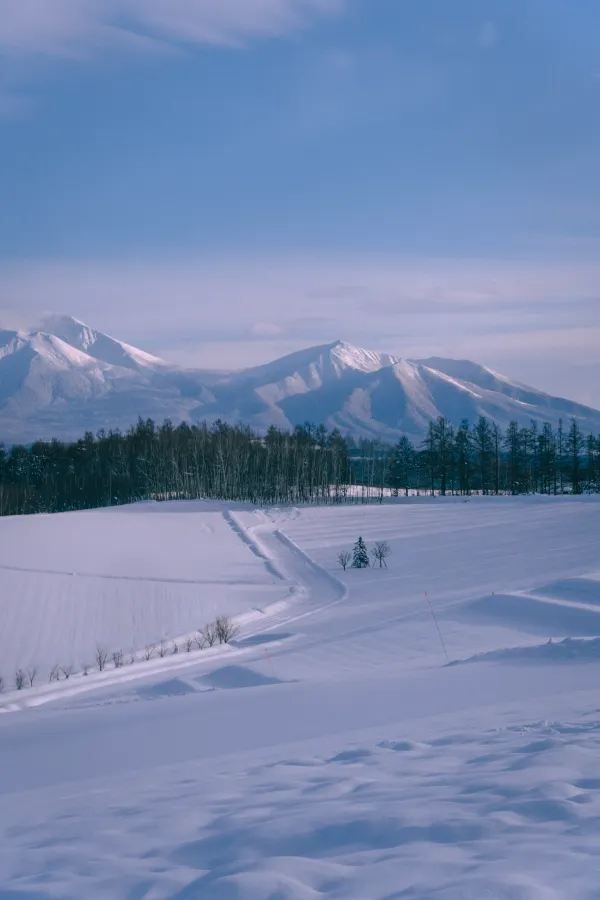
(331, 750)
(121, 579)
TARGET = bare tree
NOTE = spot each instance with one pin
(67, 671)
(20, 679)
(344, 558)
(54, 674)
(200, 640)
(380, 552)
(225, 629)
(149, 651)
(102, 657)
(1, 684)
(208, 636)
(188, 644)
(162, 648)
(31, 675)
(175, 648)
(118, 659)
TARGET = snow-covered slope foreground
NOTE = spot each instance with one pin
(330, 751)
(66, 378)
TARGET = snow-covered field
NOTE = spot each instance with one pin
(331, 750)
(120, 579)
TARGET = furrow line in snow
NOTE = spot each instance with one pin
(136, 578)
(309, 585)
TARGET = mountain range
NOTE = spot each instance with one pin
(64, 378)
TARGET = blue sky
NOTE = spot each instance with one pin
(225, 180)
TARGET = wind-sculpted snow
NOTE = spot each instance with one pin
(329, 750)
(508, 812)
(568, 650)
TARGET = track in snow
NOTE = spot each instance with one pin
(311, 590)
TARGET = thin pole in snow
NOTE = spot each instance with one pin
(437, 625)
(269, 657)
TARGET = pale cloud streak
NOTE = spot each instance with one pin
(76, 29)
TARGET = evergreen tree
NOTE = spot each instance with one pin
(429, 455)
(484, 447)
(443, 446)
(463, 457)
(512, 442)
(401, 466)
(547, 460)
(496, 447)
(560, 460)
(575, 444)
(593, 463)
(360, 555)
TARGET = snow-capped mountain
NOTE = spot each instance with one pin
(98, 345)
(64, 381)
(65, 378)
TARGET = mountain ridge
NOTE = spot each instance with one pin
(65, 377)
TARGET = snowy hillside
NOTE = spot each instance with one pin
(330, 750)
(67, 378)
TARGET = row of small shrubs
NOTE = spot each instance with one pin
(221, 631)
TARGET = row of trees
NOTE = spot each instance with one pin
(308, 465)
(485, 459)
(163, 462)
(221, 631)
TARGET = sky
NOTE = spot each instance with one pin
(225, 181)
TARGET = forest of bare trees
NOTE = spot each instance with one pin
(166, 462)
(307, 465)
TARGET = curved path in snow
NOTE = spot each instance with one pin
(311, 590)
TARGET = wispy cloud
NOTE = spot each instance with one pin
(79, 28)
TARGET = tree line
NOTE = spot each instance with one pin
(483, 458)
(149, 461)
(306, 465)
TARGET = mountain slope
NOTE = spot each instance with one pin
(98, 345)
(50, 387)
(67, 378)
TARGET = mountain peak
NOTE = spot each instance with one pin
(69, 329)
(67, 377)
(98, 345)
(352, 357)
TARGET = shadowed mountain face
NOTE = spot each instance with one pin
(66, 378)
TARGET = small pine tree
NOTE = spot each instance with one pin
(360, 555)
